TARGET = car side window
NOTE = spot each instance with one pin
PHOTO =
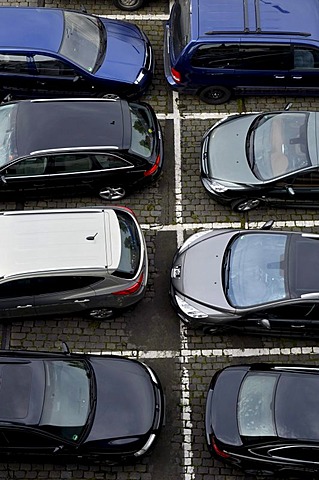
(28, 167)
(264, 57)
(52, 67)
(70, 163)
(112, 161)
(305, 58)
(55, 284)
(308, 454)
(219, 55)
(14, 64)
(19, 438)
(15, 288)
(309, 179)
(294, 312)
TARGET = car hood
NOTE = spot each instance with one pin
(227, 151)
(125, 52)
(125, 405)
(201, 270)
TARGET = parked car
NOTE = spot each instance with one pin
(255, 281)
(55, 52)
(83, 261)
(262, 159)
(76, 407)
(78, 146)
(264, 419)
(219, 49)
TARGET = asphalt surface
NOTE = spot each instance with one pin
(170, 210)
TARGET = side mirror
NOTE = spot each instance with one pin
(291, 191)
(264, 323)
(287, 106)
(3, 179)
(65, 349)
(268, 225)
(76, 78)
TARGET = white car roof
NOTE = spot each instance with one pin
(53, 240)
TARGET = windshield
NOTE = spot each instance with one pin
(142, 141)
(255, 404)
(254, 269)
(277, 144)
(84, 40)
(7, 128)
(130, 247)
(67, 398)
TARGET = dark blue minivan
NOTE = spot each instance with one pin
(218, 49)
(58, 53)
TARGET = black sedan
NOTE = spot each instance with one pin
(264, 418)
(258, 159)
(78, 146)
(77, 407)
(255, 281)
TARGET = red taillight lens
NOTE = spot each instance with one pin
(217, 450)
(154, 168)
(176, 75)
(134, 288)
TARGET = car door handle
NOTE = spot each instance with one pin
(85, 300)
(298, 326)
(24, 306)
(297, 78)
(280, 77)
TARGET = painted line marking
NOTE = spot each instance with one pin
(218, 225)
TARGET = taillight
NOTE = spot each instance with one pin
(176, 75)
(217, 450)
(134, 288)
(153, 169)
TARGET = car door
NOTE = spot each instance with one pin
(17, 442)
(27, 175)
(16, 74)
(16, 299)
(294, 318)
(63, 294)
(56, 77)
(299, 189)
(263, 67)
(304, 75)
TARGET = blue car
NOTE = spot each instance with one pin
(220, 49)
(58, 53)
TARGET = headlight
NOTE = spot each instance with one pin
(146, 446)
(192, 239)
(189, 309)
(218, 187)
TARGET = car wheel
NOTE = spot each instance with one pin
(101, 313)
(112, 193)
(244, 205)
(128, 5)
(215, 95)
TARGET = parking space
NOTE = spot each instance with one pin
(169, 211)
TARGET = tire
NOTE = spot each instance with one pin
(112, 193)
(215, 95)
(101, 313)
(128, 5)
(245, 204)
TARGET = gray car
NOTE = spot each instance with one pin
(258, 281)
(82, 261)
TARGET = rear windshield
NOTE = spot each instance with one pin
(180, 26)
(142, 142)
(130, 247)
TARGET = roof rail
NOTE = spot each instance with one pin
(254, 32)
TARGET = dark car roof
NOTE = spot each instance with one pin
(228, 15)
(28, 28)
(63, 124)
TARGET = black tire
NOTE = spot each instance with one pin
(215, 95)
(128, 5)
(112, 193)
(101, 313)
(245, 204)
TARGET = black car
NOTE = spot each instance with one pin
(264, 418)
(254, 281)
(105, 146)
(77, 407)
(259, 159)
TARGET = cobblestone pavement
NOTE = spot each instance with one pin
(174, 207)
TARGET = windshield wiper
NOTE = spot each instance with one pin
(226, 269)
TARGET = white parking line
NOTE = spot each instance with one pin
(212, 225)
